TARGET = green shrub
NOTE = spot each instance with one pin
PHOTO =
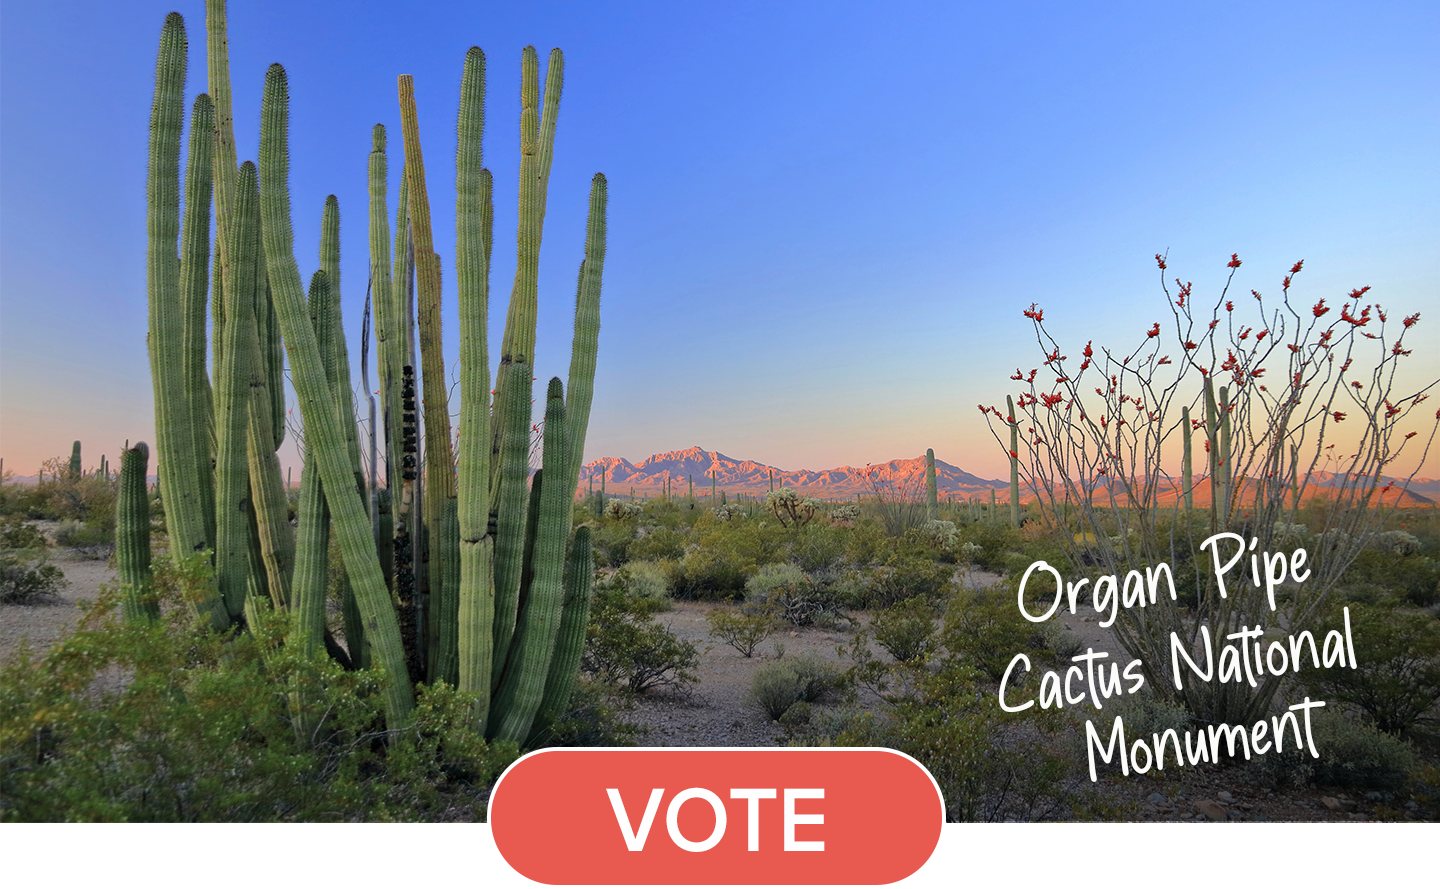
(625, 648)
(74, 534)
(657, 543)
(906, 576)
(1352, 755)
(25, 581)
(201, 729)
(990, 765)
(1397, 681)
(791, 595)
(984, 629)
(16, 533)
(741, 631)
(906, 630)
(647, 581)
(779, 685)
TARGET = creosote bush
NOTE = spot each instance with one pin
(628, 650)
(175, 722)
(741, 630)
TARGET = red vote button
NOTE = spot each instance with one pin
(848, 815)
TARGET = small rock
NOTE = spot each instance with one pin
(1374, 795)
(1330, 803)
(1225, 797)
(1210, 809)
(793, 634)
(1412, 805)
(1357, 816)
(1157, 798)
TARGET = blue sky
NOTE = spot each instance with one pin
(825, 219)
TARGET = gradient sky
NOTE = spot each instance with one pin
(825, 219)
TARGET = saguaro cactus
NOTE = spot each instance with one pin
(1014, 460)
(932, 505)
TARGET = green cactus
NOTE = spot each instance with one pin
(440, 500)
(527, 667)
(932, 507)
(510, 601)
(324, 435)
(1014, 461)
(1187, 468)
(132, 537)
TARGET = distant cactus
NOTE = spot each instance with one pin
(932, 507)
(790, 508)
(845, 512)
(623, 509)
(75, 469)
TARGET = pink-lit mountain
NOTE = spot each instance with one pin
(905, 478)
(731, 475)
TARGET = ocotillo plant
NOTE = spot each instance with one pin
(508, 605)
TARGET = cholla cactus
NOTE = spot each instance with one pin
(941, 533)
(845, 512)
(727, 511)
(1400, 543)
(790, 508)
(1290, 532)
(623, 509)
(969, 552)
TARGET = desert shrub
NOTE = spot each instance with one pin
(1397, 680)
(1059, 641)
(611, 541)
(649, 582)
(995, 538)
(779, 685)
(201, 730)
(25, 581)
(906, 576)
(74, 534)
(15, 533)
(590, 720)
(906, 630)
(984, 629)
(656, 543)
(625, 648)
(1376, 575)
(818, 548)
(708, 572)
(791, 595)
(990, 765)
(1352, 755)
(741, 631)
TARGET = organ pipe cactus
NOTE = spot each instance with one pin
(132, 536)
(323, 433)
(509, 594)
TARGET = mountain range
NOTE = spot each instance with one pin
(904, 478)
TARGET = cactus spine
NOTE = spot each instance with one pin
(932, 507)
